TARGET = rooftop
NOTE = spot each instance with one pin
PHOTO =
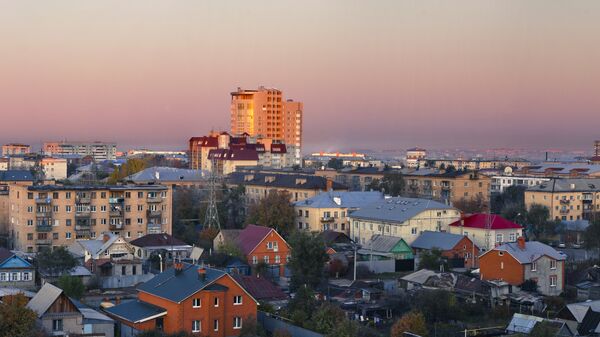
(533, 251)
(157, 240)
(52, 188)
(398, 209)
(170, 174)
(568, 185)
(439, 240)
(136, 311)
(480, 220)
(299, 181)
(340, 199)
(16, 175)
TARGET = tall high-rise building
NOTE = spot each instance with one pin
(597, 148)
(265, 113)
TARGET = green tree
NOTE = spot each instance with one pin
(232, 207)
(513, 196)
(186, 214)
(302, 305)
(330, 320)
(538, 217)
(16, 320)
(392, 183)
(275, 211)
(413, 322)
(374, 185)
(592, 235)
(308, 259)
(71, 285)
(432, 259)
(131, 166)
(56, 262)
(437, 305)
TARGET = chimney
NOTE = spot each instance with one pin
(202, 274)
(105, 237)
(521, 242)
(329, 185)
(178, 266)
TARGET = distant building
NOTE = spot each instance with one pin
(264, 113)
(331, 210)
(15, 149)
(54, 168)
(405, 218)
(560, 170)
(97, 150)
(414, 156)
(187, 298)
(152, 244)
(4, 164)
(473, 164)
(517, 262)
(567, 199)
(57, 215)
(487, 230)
(508, 179)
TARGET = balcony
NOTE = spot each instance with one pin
(83, 200)
(83, 214)
(43, 228)
(43, 201)
(43, 241)
(564, 211)
(82, 227)
(565, 201)
(154, 199)
(116, 200)
(154, 229)
(115, 226)
(588, 197)
(117, 213)
(327, 219)
(154, 214)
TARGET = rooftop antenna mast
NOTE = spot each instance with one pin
(211, 219)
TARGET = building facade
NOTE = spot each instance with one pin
(414, 156)
(405, 218)
(15, 149)
(263, 112)
(57, 215)
(567, 199)
(15, 272)
(487, 230)
(97, 150)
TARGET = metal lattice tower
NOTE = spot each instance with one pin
(211, 220)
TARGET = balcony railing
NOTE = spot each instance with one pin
(116, 200)
(43, 214)
(565, 201)
(43, 201)
(83, 200)
(44, 228)
(154, 229)
(154, 199)
(564, 211)
(83, 214)
(116, 213)
(114, 226)
(154, 214)
(327, 219)
(43, 241)
(82, 227)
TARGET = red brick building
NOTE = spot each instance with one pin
(189, 298)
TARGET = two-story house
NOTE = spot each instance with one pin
(258, 244)
(517, 262)
(487, 230)
(188, 298)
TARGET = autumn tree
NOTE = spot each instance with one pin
(413, 322)
(131, 166)
(275, 211)
(16, 320)
(330, 320)
(478, 204)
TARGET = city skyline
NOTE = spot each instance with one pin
(396, 75)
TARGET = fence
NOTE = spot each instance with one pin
(111, 282)
(271, 323)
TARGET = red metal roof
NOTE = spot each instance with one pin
(480, 220)
(260, 288)
(251, 236)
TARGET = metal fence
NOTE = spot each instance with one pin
(271, 323)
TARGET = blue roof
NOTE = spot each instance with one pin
(439, 240)
(15, 262)
(177, 287)
(136, 311)
(16, 175)
(340, 199)
(397, 209)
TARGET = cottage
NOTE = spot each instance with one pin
(458, 249)
(15, 271)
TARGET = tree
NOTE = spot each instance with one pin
(16, 320)
(232, 207)
(56, 262)
(538, 218)
(472, 205)
(302, 305)
(186, 214)
(207, 237)
(392, 183)
(71, 285)
(513, 196)
(131, 166)
(337, 268)
(308, 259)
(326, 318)
(335, 163)
(592, 235)
(275, 211)
(374, 185)
(432, 259)
(437, 305)
(413, 322)
(529, 285)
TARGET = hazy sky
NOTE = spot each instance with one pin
(385, 74)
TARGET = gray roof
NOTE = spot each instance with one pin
(178, 286)
(16, 175)
(94, 247)
(523, 323)
(44, 299)
(419, 277)
(397, 209)
(299, 181)
(439, 240)
(136, 311)
(568, 185)
(340, 199)
(382, 243)
(533, 251)
(580, 309)
(576, 225)
(170, 174)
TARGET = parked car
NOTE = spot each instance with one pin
(562, 245)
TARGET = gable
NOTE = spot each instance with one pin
(15, 262)
(401, 247)
(271, 237)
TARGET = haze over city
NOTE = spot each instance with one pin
(398, 74)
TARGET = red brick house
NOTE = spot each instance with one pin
(189, 298)
(459, 249)
(516, 262)
(258, 244)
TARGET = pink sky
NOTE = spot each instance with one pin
(388, 74)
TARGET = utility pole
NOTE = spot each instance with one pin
(211, 219)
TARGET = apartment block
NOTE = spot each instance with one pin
(414, 156)
(56, 215)
(567, 199)
(97, 150)
(15, 149)
(265, 113)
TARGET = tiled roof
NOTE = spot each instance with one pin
(299, 181)
(481, 220)
(260, 288)
(533, 251)
(177, 286)
(397, 209)
(251, 236)
(136, 311)
(157, 240)
(330, 199)
(439, 240)
(16, 175)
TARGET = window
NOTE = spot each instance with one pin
(552, 264)
(237, 300)
(413, 231)
(68, 209)
(501, 265)
(266, 259)
(216, 325)
(499, 238)
(216, 301)
(237, 322)
(277, 259)
(500, 253)
(3, 277)
(553, 280)
(14, 276)
(269, 245)
(254, 259)
(57, 325)
(196, 326)
(533, 266)
(29, 236)
(26, 276)
(68, 235)
(196, 303)
(103, 208)
(513, 237)
(68, 195)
